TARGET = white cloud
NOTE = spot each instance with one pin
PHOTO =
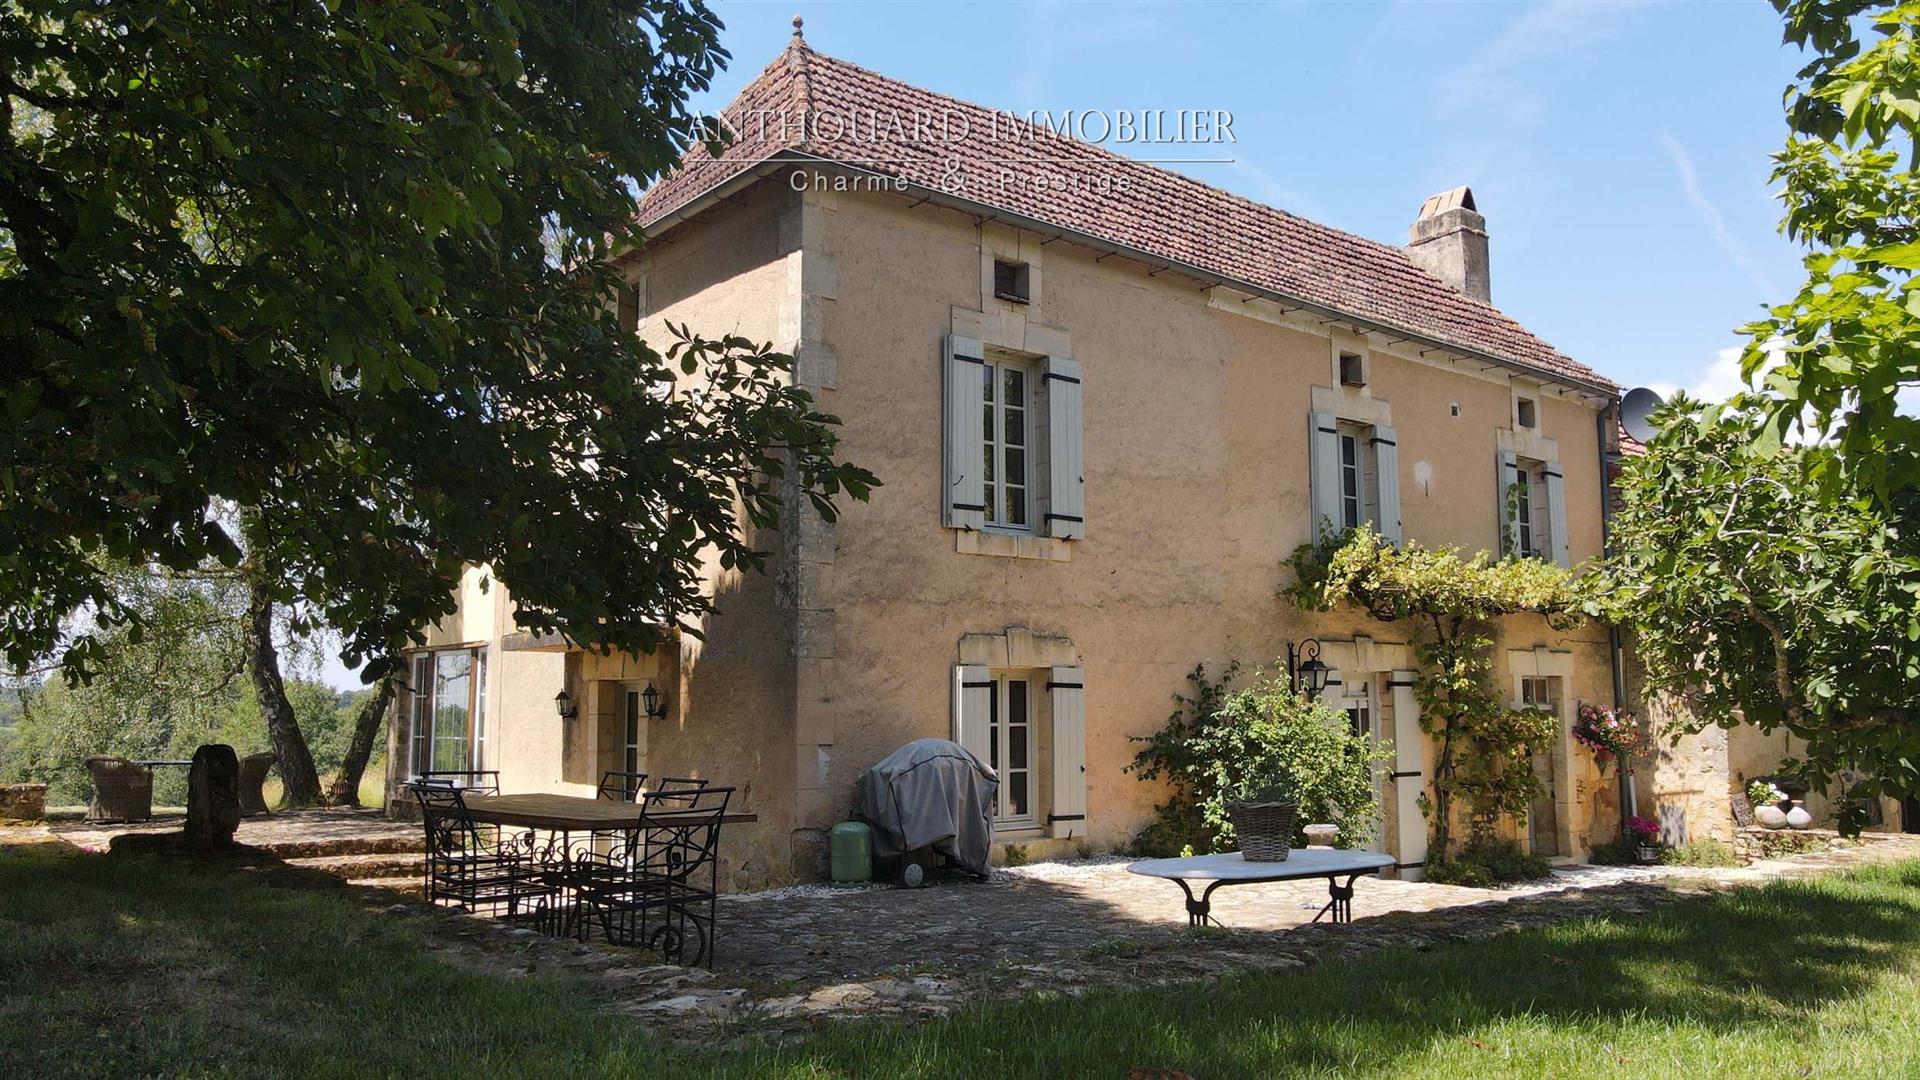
(1710, 215)
(1718, 381)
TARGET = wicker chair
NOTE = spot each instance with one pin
(253, 775)
(122, 790)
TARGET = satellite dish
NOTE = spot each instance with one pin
(1635, 409)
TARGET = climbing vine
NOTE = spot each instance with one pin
(1452, 601)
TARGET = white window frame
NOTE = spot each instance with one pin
(1358, 462)
(1361, 701)
(633, 730)
(996, 450)
(1533, 528)
(1001, 720)
(424, 669)
(1539, 692)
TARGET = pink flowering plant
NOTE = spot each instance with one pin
(1644, 830)
(1609, 733)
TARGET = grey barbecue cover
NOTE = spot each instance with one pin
(931, 792)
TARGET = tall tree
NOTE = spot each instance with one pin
(367, 723)
(1757, 596)
(1842, 348)
(349, 265)
(300, 780)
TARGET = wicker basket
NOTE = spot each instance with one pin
(1265, 829)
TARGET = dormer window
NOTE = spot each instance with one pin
(1353, 369)
(1010, 281)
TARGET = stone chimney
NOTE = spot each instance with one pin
(1449, 241)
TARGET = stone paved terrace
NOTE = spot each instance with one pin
(287, 833)
(791, 958)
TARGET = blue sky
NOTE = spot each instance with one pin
(1618, 150)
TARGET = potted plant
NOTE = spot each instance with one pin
(1646, 838)
(1768, 802)
(1263, 819)
(1609, 733)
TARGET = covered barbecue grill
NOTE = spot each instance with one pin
(930, 796)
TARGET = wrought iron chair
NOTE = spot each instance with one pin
(680, 783)
(468, 866)
(622, 786)
(660, 888)
(471, 781)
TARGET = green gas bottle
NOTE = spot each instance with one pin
(850, 845)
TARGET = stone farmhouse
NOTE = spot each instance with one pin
(1106, 402)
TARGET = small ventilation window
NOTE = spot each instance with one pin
(1010, 281)
(1525, 413)
(1453, 408)
(1353, 369)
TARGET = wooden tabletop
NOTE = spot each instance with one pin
(563, 813)
(1299, 863)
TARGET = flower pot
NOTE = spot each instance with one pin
(1265, 829)
(1770, 817)
(1797, 816)
(1321, 835)
(1647, 854)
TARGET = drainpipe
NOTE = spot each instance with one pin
(1615, 657)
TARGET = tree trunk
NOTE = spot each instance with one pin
(297, 774)
(366, 726)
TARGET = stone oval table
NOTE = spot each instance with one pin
(1231, 869)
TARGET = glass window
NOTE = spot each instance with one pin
(1359, 491)
(1359, 705)
(448, 713)
(1010, 747)
(1540, 692)
(1004, 428)
(1523, 510)
(635, 716)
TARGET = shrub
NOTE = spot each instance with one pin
(1703, 852)
(1223, 745)
(1622, 850)
(1484, 862)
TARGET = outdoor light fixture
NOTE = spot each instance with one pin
(563, 704)
(651, 700)
(1304, 669)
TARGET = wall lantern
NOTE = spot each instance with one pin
(1304, 669)
(563, 704)
(651, 700)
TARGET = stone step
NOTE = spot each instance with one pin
(372, 865)
(406, 886)
(334, 847)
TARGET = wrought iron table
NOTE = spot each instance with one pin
(631, 860)
(1232, 869)
(569, 813)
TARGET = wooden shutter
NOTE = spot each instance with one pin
(973, 710)
(963, 496)
(1508, 474)
(1323, 462)
(1410, 763)
(1386, 454)
(1067, 698)
(1557, 514)
(1066, 465)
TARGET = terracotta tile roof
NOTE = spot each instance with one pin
(1094, 192)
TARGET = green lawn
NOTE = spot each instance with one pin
(114, 966)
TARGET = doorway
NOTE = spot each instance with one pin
(1543, 817)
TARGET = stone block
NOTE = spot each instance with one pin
(213, 797)
(23, 802)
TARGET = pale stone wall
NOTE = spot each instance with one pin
(1196, 491)
(1196, 417)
